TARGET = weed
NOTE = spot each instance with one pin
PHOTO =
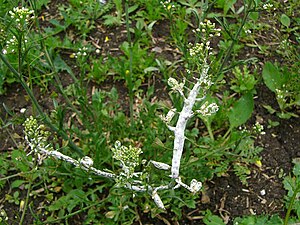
(204, 128)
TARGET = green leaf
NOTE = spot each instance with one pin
(296, 169)
(210, 219)
(272, 77)
(17, 183)
(241, 110)
(60, 203)
(228, 4)
(258, 220)
(61, 65)
(285, 20)
(151, 69)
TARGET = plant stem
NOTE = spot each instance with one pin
(14, 175)
(128, 77)
(73, 213)
(208, 127)
(26, 203)
(234, 40)
(287, 216)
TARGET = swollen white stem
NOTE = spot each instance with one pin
(61, 156)
(184, 116)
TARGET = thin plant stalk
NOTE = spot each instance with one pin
(128, 77)
(287, 216)
(73, 213)
(234, 39)
(26, 203)
(58, 84)
(208, 127)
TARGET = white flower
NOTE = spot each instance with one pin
(23, 110)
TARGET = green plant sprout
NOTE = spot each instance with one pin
(292, 185)
(285, 85)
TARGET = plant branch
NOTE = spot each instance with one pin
(184, 116)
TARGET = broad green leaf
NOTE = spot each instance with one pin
(272, 77)
(285, 20)
(254, 16)
(241, 110)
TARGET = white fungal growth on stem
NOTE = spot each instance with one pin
(184, 116)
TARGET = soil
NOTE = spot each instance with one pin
(224, 196)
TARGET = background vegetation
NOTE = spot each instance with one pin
(96, 73)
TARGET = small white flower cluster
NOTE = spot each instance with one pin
(167, 4)
(280, 94)
(205, 82)
(200, 49)
(81, 52)
(3, 215)
(21, 15)
(258, 128)
(208, 109)
(175, 85)
(129, 158)
(268, 6)
(37, 137)
(207, 29)
(10, 45)
(2, 33)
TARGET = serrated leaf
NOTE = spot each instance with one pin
(296, 170)
(241, 110)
